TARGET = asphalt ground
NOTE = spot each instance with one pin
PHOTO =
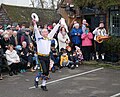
(85, 81)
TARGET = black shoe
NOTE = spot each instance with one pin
(72, 67)
(15, 72)
(36, 84)
(10, 73)
(44, 88)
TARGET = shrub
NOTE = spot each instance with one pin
(112, 45)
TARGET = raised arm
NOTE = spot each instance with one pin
(36, 31)
(95, 31)
(52, 33)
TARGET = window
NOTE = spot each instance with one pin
(115, 21)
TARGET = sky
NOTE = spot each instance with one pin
(16, 2)
(21, 2)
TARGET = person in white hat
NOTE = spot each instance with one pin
(75, 34)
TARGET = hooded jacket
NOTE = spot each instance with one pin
(12, 57)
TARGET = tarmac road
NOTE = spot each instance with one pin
(85, 81)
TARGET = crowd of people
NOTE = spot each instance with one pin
(69, 46)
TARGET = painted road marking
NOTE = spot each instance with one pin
(65, 78)
(116, 95)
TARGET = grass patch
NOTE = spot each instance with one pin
(102, 64)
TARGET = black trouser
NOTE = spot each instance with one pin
(86, 50)
(23, 64)
(14, 67)
(44, 62)
(99, 48)
(28, 59)
(3, 66)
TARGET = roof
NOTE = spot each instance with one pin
(23, 14)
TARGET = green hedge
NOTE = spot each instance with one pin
(112, 45)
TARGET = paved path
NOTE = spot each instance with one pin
(84, 81)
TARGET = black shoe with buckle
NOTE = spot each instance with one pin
(44, 88)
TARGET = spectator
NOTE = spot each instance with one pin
(31, 55)
(87, 44)
(1, 61)
(84, 22)
(14, 39)
(63, 38)
(1, 32)
(21, 31)
(26, 55)
(64, 59)
(77, 56)
(54, 55)
(13, 60)
(26, 37)
(5, 42)
(70, 57)
(75, 34)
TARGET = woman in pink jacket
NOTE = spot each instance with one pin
(87, 37)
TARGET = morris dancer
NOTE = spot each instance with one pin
(99, 31)
(43, 41)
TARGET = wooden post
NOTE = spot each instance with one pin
(107, 22)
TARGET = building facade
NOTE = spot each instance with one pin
(114, 20)
(93, 15)
(17, 14)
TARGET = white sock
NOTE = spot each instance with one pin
(36, 67)
(37, 79)
(43, 82)
(103, 57)
(97, 56)
(92, 57)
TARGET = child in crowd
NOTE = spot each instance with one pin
(32, 53)
(64, 59)
(70, 57)
(77, 56)
(54, 57)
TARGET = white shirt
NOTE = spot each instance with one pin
(101, 32)
(44, 45)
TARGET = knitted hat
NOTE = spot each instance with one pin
(76, 25)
